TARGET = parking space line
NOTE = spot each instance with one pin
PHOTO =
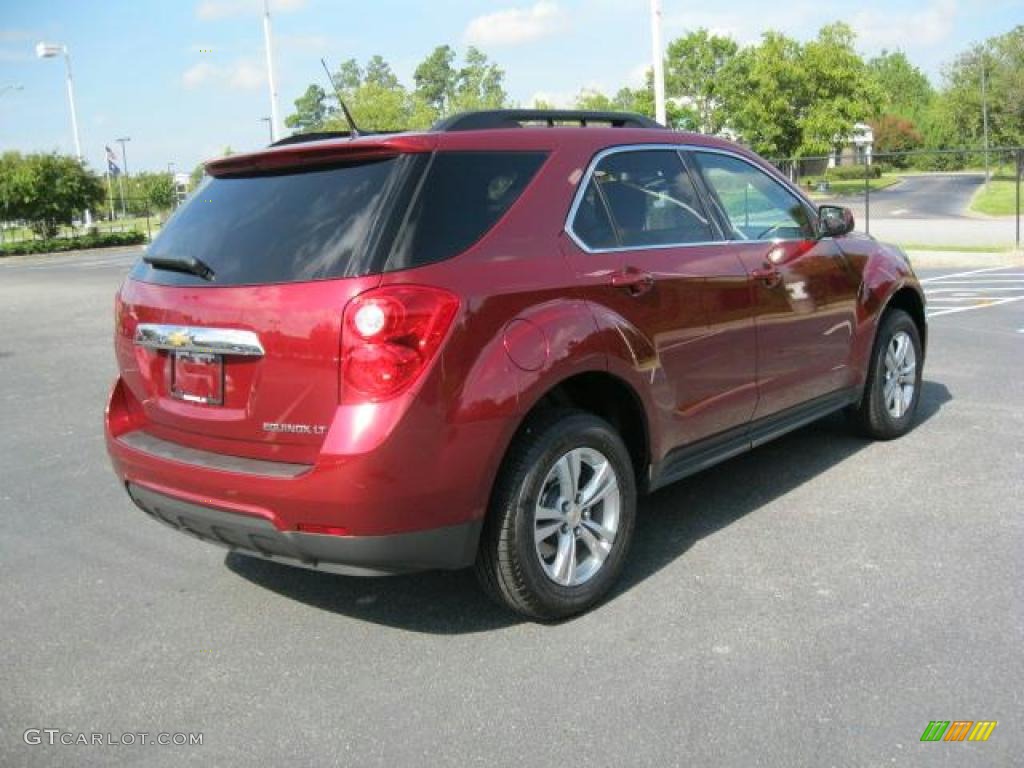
(963, 274)
(985, 305)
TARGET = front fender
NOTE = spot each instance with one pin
(886, 271)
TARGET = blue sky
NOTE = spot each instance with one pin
(185, 78)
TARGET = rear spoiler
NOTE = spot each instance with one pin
(320, 153)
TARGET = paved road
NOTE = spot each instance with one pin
(931, 196)
(932, 209)
(815, 602)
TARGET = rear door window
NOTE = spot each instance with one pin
(286, 227)
(462, 197)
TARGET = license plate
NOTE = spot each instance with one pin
(197, 377)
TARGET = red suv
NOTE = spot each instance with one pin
(479, 344)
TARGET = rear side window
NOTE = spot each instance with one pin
(462, 196)
(651, 199)
(279, 228)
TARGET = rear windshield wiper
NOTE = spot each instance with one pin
(188, 264)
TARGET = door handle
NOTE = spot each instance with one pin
(635, 281)
(769, 274)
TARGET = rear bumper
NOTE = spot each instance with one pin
(450, 547)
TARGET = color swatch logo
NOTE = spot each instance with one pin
(958, 730)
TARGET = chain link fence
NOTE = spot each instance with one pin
(133, 215)
(946, 199)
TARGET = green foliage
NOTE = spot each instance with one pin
(46, 190)
(764, 89)
(196, 177)
(310, 110)
(1001, 58)
(849, 172)
(378, 100)
(906, 91)
(693, 68)
(106, 240)
(786, 99)
(435, 79)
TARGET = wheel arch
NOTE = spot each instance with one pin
(909, 299)
(607, 396)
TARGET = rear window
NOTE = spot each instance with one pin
(462, 197)
(287, 227)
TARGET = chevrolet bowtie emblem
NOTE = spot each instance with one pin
(178, 338)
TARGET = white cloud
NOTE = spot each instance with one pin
(246, 75)
(198, 74)
(927, 26)
(513, 26)
(243, 74)
(210, 10)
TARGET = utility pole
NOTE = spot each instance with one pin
(984, 113)
(659, 63)
(275, 124)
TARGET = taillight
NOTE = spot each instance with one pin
(388, 337)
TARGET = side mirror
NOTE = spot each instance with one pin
(834, 221)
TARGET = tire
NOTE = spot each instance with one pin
(542, 555)
(882, 415)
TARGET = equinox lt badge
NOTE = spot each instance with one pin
(295, 429)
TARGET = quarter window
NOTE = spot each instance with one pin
(755, 206)
(641, 198)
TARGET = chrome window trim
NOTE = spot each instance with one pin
(213, 341)
(678, 149)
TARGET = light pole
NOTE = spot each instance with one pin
(270, 125)
(268, 43)
(49, 51)
(124, 157)
(659, 63)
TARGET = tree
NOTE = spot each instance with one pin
(196, 177)
(150, 192)
(693, 70)
(906, 91)
(310, 110)
(47, 190)
(763, 90)
(435, 79)
(378, 72)
(786, 99)
(479, 83)
(1001, 59)
(895, 134)
(842, 91)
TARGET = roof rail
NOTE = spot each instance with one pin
(514, 118)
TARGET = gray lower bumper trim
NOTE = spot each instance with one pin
(147, 443)
(450, 548)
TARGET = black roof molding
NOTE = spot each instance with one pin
(514, 118)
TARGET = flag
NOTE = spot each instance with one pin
(112, 167)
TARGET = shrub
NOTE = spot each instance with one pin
(107, 240)
(849, 172)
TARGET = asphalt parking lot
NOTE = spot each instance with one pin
(815, 602)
